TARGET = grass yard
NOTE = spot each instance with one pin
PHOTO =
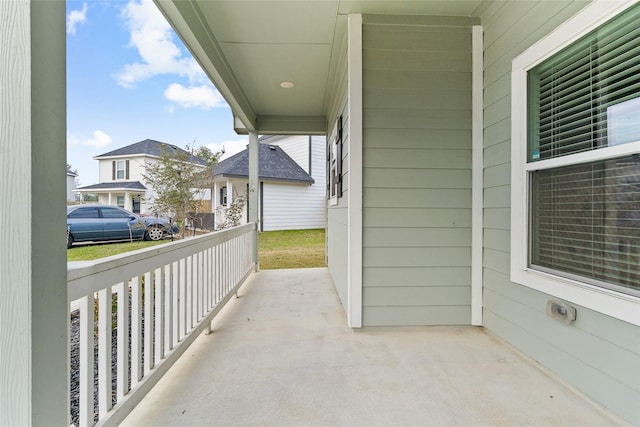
(291, 249)
(101, 250)
(277, 249)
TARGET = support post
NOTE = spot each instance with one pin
(253, 191)
(354, 195)
(477, 185)
(34, 360)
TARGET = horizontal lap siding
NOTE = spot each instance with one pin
(416, 174)
(293, 206)
(597, 354)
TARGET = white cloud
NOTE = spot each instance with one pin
(231, 147)
(153, 37)
(204, 96)
(75, 18)
(73, 139)
(99, 140)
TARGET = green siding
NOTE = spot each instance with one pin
(597, 354)
(337, 215)
(416, 170)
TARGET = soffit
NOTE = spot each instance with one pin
(249, 47)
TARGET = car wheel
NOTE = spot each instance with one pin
(154, 232)
(69, 240)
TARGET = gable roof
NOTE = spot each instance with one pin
(149, 147)
(273, 164)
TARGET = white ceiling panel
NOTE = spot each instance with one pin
(260, 68)
(271, 21)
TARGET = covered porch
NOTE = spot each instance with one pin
(281, 354)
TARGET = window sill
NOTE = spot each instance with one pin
(611, 303)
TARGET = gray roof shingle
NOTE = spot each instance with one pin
(273, 164)
(149, 147)
(126, 185)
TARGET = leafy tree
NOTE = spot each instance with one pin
(178, 180)
(207, 155)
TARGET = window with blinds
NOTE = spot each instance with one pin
(573, 93)
(586, 221)
(584, 218)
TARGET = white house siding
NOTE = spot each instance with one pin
(337, 244)
(597, 354)
(289, 206)
(296, 147)
(417, 170)
(137, 168)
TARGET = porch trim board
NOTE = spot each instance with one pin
(354, 221)
(477, 186)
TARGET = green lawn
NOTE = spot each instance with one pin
(101, 250)
(277, 249)
(291, 249)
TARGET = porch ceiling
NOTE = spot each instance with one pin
(249, 47)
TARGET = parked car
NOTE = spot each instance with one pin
(99, 223)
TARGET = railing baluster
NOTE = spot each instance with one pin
(168, 310)
(189, 301)
(104, 351)
(122, 384)
(183, 298)
(86, 360)
(200, 266)
(136, 331)
(158, 293)
(148, 323)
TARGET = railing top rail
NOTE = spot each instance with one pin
(111, 270)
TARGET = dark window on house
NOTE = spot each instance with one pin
(223, 196)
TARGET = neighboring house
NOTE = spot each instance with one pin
(72, 182)
(292, 187)
(121, 175)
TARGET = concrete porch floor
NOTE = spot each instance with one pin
(282, 355)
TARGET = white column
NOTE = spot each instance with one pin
(354, 220)
(127, 201)
(109, 199)
(477, 186)
(254, 199)
(214, 203)
(229, 192)
(34, 367)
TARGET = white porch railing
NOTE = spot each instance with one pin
(179, 286)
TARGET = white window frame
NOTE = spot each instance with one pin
(615, 304)
(123, 170)
(118, 201)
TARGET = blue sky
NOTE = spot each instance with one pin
(129, 78)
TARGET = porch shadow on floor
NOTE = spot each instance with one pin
(282, 355)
